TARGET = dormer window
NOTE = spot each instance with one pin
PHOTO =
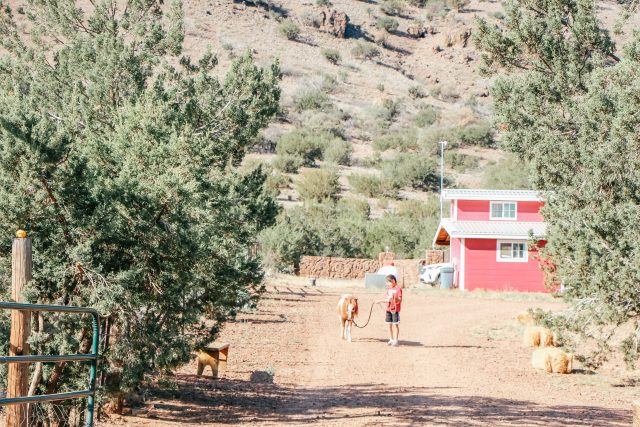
(503, 210)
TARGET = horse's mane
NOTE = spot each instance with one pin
(344, 301)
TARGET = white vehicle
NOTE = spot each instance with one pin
(431, 272)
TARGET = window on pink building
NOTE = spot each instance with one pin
(503, 210)
(511, 251)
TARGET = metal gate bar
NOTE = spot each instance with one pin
(92, 358)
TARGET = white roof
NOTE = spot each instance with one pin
(479, 194)
(488, 230)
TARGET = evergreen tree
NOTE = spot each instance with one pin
(568, 104)
(120, 157)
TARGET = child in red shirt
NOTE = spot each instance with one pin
(394, 301)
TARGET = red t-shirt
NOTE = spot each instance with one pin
(394, 297)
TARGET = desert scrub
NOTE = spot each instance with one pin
(458, 5)
(388, 113)
(318, 185)
(338, 151)
(365, 51)
(426, 116)
(312, 100)
(445, 93)
(300, 147)
(460, 162)
(372, 186)
(324, 3)
(417, 92)
(289, 29)
(509, 172)
(404, 140)
(410, 169)
(392, 7)
(477, 134)
(387, 23)
(331, 55)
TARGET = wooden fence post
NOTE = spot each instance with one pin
(18, 376)
(636, 413)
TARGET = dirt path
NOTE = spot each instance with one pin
(460, 363)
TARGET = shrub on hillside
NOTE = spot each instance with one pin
(389, 112)
(324, 3)
(288, 163)
(508, 173)
(276, 181)
(388, 24)
(416, 92)
(312, 100)
(372, 186)
(331, 55)
(289, 29)
(445, 93)
(300, 147)
(365, 51)
(458, 5)
(392, 7)
(322, 122)
(338, 151)
(405, 140)
(460, 162)
(477, 134)
(318, 185)
(411, 169)
(426, 116)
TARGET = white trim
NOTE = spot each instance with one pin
(461, 276)
(526, 251)
(485, 194)
(455, 210)
(502, 218)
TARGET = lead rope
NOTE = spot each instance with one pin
(370, 311)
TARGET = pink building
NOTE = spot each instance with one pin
(488, 235)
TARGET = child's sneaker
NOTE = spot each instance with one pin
(390, 342)
(394, 343)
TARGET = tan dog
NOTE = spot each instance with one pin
(552, 359)
(347, 311)
(538, 336)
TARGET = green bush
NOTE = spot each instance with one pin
(389, 112)
(288, 163)
(445, 93)
(300, 147)
(388, 24)
(416, 92)
(426, 116)
(365, 51)
(331, 55)
(405, 140)
(338, 151)
(276, 181)
(411, 169)
(289, 29)
(508, 173)
(372, 186)
(460, 162)
(392, 7)
(312, 100)
(323, 3)
(318, 185)
(458, 5)
(322, 122)
(478, 134)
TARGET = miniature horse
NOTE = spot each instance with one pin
(347, 311)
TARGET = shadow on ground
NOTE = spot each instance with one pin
(231, 402)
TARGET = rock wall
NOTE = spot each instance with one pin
(355, 268)
(337, 268)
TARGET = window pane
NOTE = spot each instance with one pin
(518, 250)
(496, 210)
(509, 210)
(505, 250)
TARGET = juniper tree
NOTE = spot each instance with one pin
(119, 157)
(568, 104)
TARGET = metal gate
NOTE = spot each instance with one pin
(91, 358)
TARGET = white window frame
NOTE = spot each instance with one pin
(512, 242)
(502, 218)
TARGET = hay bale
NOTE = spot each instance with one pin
(538, 336)
(552, 360)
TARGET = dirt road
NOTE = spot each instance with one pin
(459, 363)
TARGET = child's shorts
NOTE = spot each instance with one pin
(392, 318)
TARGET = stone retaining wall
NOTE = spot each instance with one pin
(355, 268)
(337, 268)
